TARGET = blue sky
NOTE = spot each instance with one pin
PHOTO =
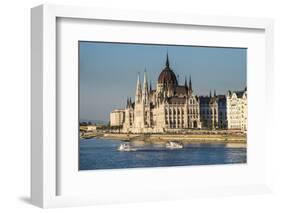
(108, 72)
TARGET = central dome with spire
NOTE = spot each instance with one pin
(167, 76)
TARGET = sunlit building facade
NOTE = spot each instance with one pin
(171, 107)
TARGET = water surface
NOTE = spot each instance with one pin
(103, 154)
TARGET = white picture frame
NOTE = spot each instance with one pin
(44, 149)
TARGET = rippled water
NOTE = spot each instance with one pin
(103, 154)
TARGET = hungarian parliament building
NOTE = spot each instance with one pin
(171, 107)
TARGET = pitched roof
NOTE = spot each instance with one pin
(181, 90)
(239, 94)
(204, 99)
(176, 100)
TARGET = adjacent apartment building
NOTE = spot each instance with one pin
(236, 104)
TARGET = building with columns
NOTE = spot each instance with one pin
(171, 107)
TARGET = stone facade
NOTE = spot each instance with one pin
(213, 111)
(237, 110)
(117, 117)
(168, 108)
(171, 107)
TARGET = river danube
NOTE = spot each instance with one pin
(104, 154)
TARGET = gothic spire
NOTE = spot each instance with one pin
(215, 93)
(145, 88)
(167, 61)
(150, 86)
(185, 82)
(138, 90)
(145, 84)
(210, 93)
(190, 84)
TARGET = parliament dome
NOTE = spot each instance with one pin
(167, 75)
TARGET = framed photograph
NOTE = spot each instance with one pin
(166, 123)
(129, 106)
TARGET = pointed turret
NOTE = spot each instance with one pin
(190, 84)
(150, 86)
(210, 94)
(138, 90)
(145, 88)
(185, 85)
(215, 93)
(167, 61)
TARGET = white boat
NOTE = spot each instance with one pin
(174, 145)
(126, 147)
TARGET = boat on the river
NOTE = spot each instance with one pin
(126, 147)
(174, 145)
